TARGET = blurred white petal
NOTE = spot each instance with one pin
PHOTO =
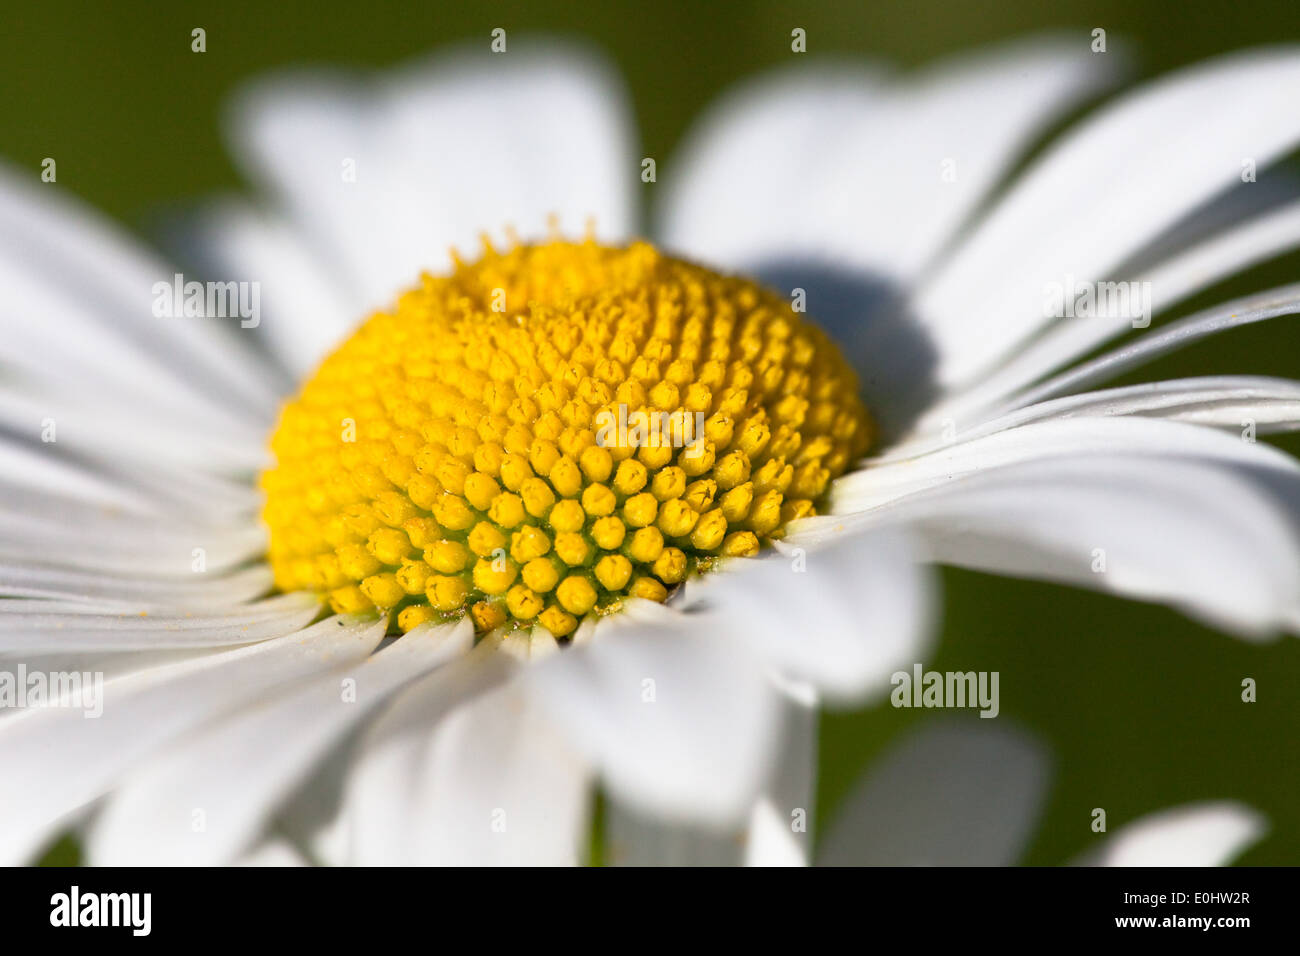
(499, 787)
(463, 770)
(1219, 256)
(1179, 531)
(145, 431)
(1218, 401)
(1246, 311)
(678, 722)
(841, 617)
(43, 626)
(442, 151)
(1199, 834)
(43, 525)
(30, 579)
(780, 827)
(1107, 188)
(207, 798)
(886, 481)
(949, 794)
(782, 823)
(844, 166)
(57, 760)
(122, 483)
(60, 259)
(306, 309)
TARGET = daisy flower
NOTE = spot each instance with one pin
(396, 593)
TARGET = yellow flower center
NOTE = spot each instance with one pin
(550, 430)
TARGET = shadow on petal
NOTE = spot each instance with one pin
(865, 314)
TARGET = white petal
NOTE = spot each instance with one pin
(839, 166)
(136, 486)
(385, 814)
(231, 778)
(51, 474)
(841, 617)
(95, 287)
(1175, 335)
(885, 481)
(781, 826)
(134, 591)
(311, 816)
(45, 626)
(1106, 190)
(1233, 212)
(1219, 401)
(720, 203)
(678, 720)
(324, 816)
(779, 829)
(84, 422)
(306, 309)
(1176, 530)
(37, 526)
(1198, 834)
(1218, 257)
(56, 760)
(465, 770)
(951, 794)
(111, 664)
(442, 152)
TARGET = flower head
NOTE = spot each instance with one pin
(469, 450)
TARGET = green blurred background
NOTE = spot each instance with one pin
(1141, 709)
